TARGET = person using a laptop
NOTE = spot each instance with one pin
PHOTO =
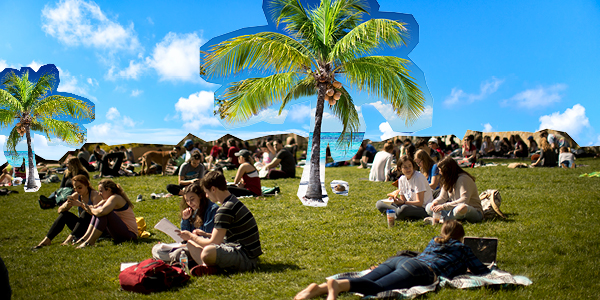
(445, 256)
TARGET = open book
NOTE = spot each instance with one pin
(167, 227)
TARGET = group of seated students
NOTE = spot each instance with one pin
(456, 199)
(106, 210)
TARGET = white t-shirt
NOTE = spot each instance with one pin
(382, 164)
(566, 156)
(417, 183)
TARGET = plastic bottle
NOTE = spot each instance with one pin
(183, 259)
(391, 217)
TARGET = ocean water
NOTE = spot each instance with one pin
(338, 153)
(18, 161)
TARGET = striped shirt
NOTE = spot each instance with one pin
(240, 224)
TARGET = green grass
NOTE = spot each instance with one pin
(551, 236)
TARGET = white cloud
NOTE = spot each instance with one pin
(50, 150)
(133, 71)
(35, 65)
(386, 110)
(70, 84)
(136, 93)
(127, 121)
(486, 88)
(4, 65)
(270, 116)
(300, 112)
(387, 131)
(112, 113)
(538, 97)
(572, 121)
(487, 127)
(77, 22)
(92, 82)
(196, 110)
(176, 57)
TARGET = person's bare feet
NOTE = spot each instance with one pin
(333, 289)
(312, 290)
(45, 242)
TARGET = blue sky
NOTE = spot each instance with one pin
(488, 66)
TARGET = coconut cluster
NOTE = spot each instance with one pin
(332, 95)
(20, 128)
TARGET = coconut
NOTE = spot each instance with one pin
(330, 92)
(337, 84)
(337, 95)
(326, 98)
(333, 102)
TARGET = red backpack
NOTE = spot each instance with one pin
(151, 275)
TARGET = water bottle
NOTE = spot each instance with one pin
(183, 259)
(391, 217)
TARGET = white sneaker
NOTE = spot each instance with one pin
(139, 198)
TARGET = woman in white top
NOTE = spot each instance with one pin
(382, 163)
(412, 195)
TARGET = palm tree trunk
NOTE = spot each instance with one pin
(31, 177)
(313, 190)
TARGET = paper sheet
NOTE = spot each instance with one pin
(127, 265)
(167, 227)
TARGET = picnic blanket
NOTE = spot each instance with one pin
(496, 277)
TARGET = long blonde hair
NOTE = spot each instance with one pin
(426, 161)
(75, 167)
(116, 189)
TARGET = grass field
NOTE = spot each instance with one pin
(551, 236)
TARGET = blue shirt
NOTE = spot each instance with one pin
(451, 259)
(371, 149)
(435, 171)
(208, 218)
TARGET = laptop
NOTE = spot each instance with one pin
(485, 249)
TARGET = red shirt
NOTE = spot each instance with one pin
(231, 153)
(215, 150)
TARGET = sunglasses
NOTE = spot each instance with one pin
(197, 157)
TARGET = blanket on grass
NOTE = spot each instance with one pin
(495, 278)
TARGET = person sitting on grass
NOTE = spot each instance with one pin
(189, 172)
(521, 149)
(234, 243)
(283, 158)
(110, 164)
(231, 162)
(197, 212)
(247, 181)
(114, 213)
(382, 163)
(458, 198)
(412, 195)
(5, 178)
(79, 223)
(445, 255)
(430, 170)
(469, 151)
(74, 168)
(547, 157)
(566, 158)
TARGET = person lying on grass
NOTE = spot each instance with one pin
(197, 212)
(458, 199)
(445, 256)
(79, 223)
(247, 180)
(412, 195)
(114, 213)
(234, 243)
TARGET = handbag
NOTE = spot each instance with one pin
(490, 203)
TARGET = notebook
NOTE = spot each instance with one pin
(485, 249)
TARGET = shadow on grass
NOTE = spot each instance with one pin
(267, 267)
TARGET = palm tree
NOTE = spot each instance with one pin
(26, 102)
(319, 44)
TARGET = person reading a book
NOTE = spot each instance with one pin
(412, 195)
(197, 212)
(78, 223)
(234, 243)
(458, 198)
(445, 255)
(114, 213)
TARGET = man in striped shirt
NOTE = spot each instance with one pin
(234, 243)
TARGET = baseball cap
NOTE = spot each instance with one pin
(188, 143)
(244, 153)
(433, 140)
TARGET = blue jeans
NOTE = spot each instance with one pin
(398, 272)
(472, 215)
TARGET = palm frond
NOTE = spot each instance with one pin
(9, 102)
(368, 36)
(388, 78)
(7, 118)
(332, 20)
(246, 98)
(69, 132)
(305, 87)
(264, 51)
(58, 106)
(345, 111)
(17, 86)
(41, 87)
(12, 141)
